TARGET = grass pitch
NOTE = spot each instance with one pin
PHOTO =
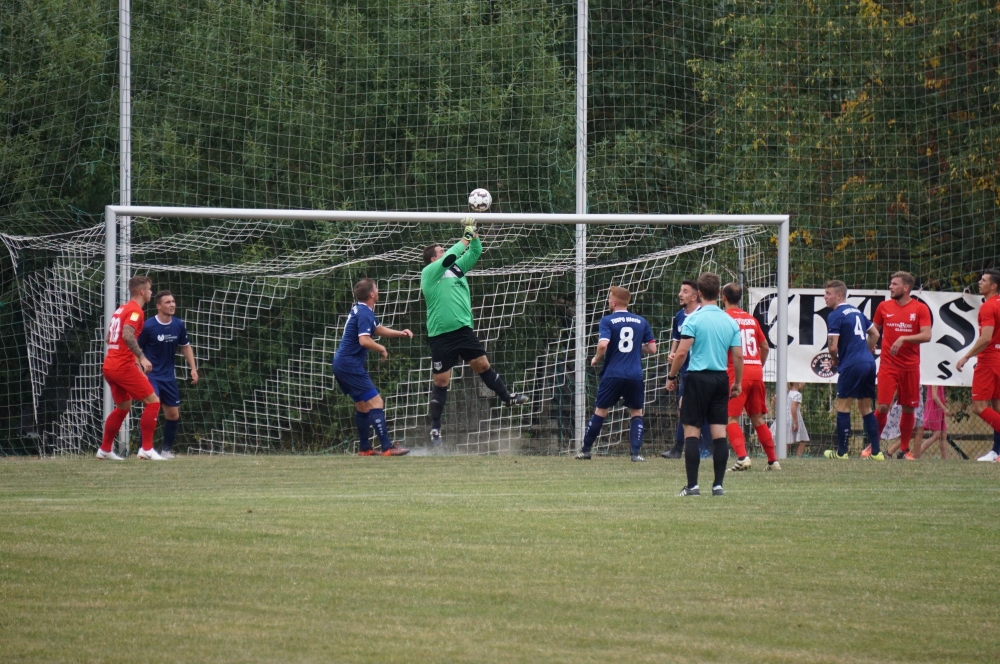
(496, 559)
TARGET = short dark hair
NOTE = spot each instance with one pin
(429, 252)
(837, 286)
(135, 284)
(993, 274)
(690, 282)
(906, 278)
(364, 289)
(708, 285)
(162, 294)
(733, 292)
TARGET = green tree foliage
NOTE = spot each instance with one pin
(874, 125)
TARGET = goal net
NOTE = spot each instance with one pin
(265, 302)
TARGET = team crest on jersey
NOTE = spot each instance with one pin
(913, 317)
(822, 365)
(134, 316)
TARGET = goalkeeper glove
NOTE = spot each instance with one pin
(470, 229)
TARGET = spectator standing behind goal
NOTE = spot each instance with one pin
(159, 340)
(351, 371)
(904, 324)
(798, 434)
(935, 412)
(986, 375)
(753, 394)
(450, 325)
(709, 335)
(625, 337)
(851, 340)
(125, 368)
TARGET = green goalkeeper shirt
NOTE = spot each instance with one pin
(446, 290)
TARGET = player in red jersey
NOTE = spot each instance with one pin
(125, 369)
(752, 398)
(986, 375)
(904, 324)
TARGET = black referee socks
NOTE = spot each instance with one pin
(493, 381)
(692, 459)
(439, 396)
(721, 458)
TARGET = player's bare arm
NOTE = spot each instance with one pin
(683, 348)
(367, 342)
(673, 350)
(602, 347)
(872, 338)
(650, 348)
(188, 353)
(831, 342)
(764, 350)
(390, 333)
(982, 342)
(920, 338)
(737, 387)
(128, 334)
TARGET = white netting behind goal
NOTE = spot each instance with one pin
(265, 303)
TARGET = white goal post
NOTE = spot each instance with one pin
(118, 235)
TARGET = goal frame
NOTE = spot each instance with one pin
(113, 214)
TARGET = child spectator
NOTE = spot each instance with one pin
(793, 416)
(934, 413)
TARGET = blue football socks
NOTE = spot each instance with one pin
(169, 433)
(635, 431)
(871, 430)
(377, 417)
(364, 430)
(592, 432)
(844, 432)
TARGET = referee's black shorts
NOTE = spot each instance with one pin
(448, 348)
(706, 398)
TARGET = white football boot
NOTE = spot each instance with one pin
(150, 455)
(110, 456)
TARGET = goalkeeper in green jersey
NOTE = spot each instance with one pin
(449, 323)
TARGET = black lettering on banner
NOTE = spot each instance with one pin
(945, 372)
(761, 312)
(807, 314)
(957, 323)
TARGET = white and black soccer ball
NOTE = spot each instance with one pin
(480, 200)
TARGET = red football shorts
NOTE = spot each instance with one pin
(985, 383)
(753, 398)
(905, 384)
(127, 382)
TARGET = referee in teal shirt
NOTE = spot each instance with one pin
(709, 335)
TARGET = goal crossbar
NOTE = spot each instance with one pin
(112, 214)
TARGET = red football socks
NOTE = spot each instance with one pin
(992, 418)
(147, 424)
(737, 440)
(906, 421)
(767, 442)
(881, 418)
(112, 426)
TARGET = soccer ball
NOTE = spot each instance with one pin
(480, 200)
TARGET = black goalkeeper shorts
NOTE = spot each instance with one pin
(448, 348)
(706, 398)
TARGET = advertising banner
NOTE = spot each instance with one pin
(954, 329)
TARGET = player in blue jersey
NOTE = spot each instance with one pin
(851, 340)
(159, 340)
(625, 337)
(351, 371)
